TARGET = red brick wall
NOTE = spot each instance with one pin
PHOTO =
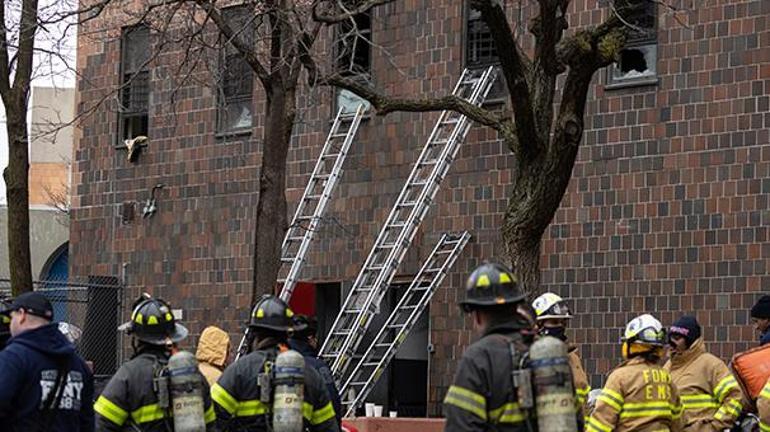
(666, 213)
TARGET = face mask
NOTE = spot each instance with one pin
(557, 332)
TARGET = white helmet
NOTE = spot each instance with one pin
(645, 329)
(551, 306)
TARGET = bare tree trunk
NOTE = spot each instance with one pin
(271, 218)
(16, 177)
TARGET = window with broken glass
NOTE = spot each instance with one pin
(133, 117)
(235, 111)
(354, 57)
(480, 50)
(637, 61)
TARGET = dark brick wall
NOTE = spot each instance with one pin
(666, 213)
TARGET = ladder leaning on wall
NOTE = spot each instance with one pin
(311, 207)
(362, 302)
(394, 332)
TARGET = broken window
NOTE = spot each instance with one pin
(480, 50)
(133, 115)
(354, 57)
(235, 106)
(637, 61)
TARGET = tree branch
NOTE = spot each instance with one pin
(384, 105)
(515, 68)
(27, 30)
(339, 12)
(5, 73)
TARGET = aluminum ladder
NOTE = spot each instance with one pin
(362, 302)
(393, 333)
(311, 207)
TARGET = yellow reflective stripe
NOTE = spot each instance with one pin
(765, 393)
(610, 401)
(467, 400)
(698, 401)
(323, 414)
(764, 427)
(209, 416)
(597, 426)
(307, 411)
(644, 409)
(723, 386)
(733, 407)
(107, 409)
(250, 408)
(583, 391)
(223, 398)
(148, 413)
(508, 413)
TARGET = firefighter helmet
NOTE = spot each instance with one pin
(643, 334)
(491, 284)
(271, 313)
(551, 306)
(153, 322)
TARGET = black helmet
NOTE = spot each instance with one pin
(153, 322)
(491, 284)
(271, 313)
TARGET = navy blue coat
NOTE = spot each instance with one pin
(28, 370)
(311, 357)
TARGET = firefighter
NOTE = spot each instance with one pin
(243, 394)
(760, 317)
(553, 314)
(639, 394)
(482, 396)
(134, 397)
(763, 408)
(710, 394)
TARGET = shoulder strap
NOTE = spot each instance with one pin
(53, 399)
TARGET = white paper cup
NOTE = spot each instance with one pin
(378, 410)
(369, 408)
(393, 414)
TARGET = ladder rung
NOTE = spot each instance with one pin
(338, 135)
(408, 204)
(370, 364)
(396, 326)
(288, 259)
(330, 155)
(341, 333)
(321, 176)
(314, 197)
(432, 270)
(356, 383)
(471, 81)
(353, 311)
(429, 162)
(451, 121)
(383, 345)
(295, 238)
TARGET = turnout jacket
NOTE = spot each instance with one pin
(763, 408)
(639, 396)
(482, 396)
(710, 394)
(129, 400)
(579, 381)
(237, 396)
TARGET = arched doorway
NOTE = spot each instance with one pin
(55, 274)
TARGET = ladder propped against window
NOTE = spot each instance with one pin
(311, 207)
(401, 226)
(394, 332)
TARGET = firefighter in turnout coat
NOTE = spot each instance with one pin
(710, 394)
(130, 400)
(552, 317)
(639, 395)
(482, 396)
(238, 395)
(763, 408)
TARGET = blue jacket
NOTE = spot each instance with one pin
(28, 370)
(765, 338)
(311, 357)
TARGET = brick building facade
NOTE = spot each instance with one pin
(667, 211)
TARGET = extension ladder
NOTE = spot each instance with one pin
(362, 302)
(393, 333)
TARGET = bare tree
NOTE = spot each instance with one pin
(543, 136)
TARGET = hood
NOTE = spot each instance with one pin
(680, 359)
(302, 347)
(46, 339)
(213, 346)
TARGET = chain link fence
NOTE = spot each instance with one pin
(95, 308)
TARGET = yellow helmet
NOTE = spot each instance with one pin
(643, 334)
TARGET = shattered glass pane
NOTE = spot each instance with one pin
(636, 63)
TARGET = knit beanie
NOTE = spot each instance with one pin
(687, 327)
(762, 308)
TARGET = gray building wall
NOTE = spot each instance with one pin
(50, 109)
(48, 230)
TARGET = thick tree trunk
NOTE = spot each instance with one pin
(271, 220)
(16, 177)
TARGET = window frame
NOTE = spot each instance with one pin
(128, 75)
(223, 100)
(365, 35)
(636, 41)
(499, 91)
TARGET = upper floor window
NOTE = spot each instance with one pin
(135, 82)
(235, 111)
(480, 50)
(637, 62)
(354, 56)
